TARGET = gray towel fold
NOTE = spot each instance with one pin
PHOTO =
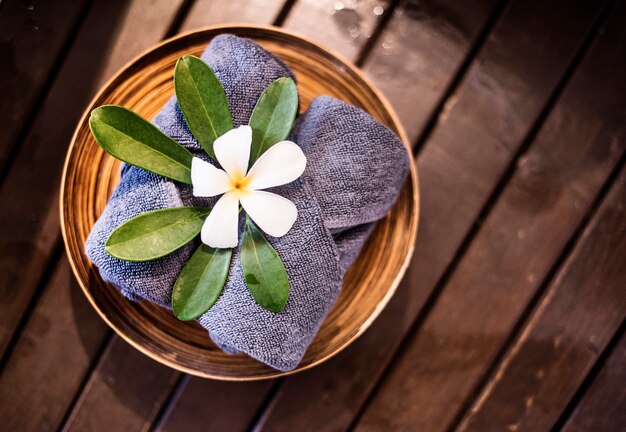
(356, 168)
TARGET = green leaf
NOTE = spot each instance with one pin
(200, 282)
(264, 272)
(154, 234)
(130, 138)
(202, 100)
(273, 116)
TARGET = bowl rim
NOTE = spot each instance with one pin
(413, 178)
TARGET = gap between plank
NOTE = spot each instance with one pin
(108, 340)
(458, 76)
(179, 18)
(170, 402)
(378, 31)
(487, 207)
(256, 424)
(284, 13)
(590, 378)
(43, 93)
(53, 261)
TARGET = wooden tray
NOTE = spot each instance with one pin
(90, 176)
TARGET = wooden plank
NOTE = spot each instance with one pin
(32, 37)
(536, 215)
(459, 168)
(30, 227)
(568, 330)
(421, 49)
(125, 392)
(211, 12)
(602, 406)
(344, 26)
(55, 351)
(29, 221)
(207, 405)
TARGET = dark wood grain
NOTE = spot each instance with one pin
(602, 406)
(568, 330)
(207, 405)
(459, 167)
(32, 38)
(124, 393)
(422, 49)
(553, 185)
(55, 351)
(29, 228)
(344, 26)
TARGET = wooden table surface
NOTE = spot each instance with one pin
(511, 316)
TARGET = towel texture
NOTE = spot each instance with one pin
(355, 170)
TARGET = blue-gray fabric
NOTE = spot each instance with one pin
(355, 170)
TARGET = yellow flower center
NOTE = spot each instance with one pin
(239, 181)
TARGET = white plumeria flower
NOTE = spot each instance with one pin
(282, 163)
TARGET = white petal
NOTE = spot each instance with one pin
(233, 151)
(207, 180)
(221, 228)
(272, 213)
(280, 164)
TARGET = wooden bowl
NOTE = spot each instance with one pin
(90, 176)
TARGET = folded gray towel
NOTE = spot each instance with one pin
(356, 168)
